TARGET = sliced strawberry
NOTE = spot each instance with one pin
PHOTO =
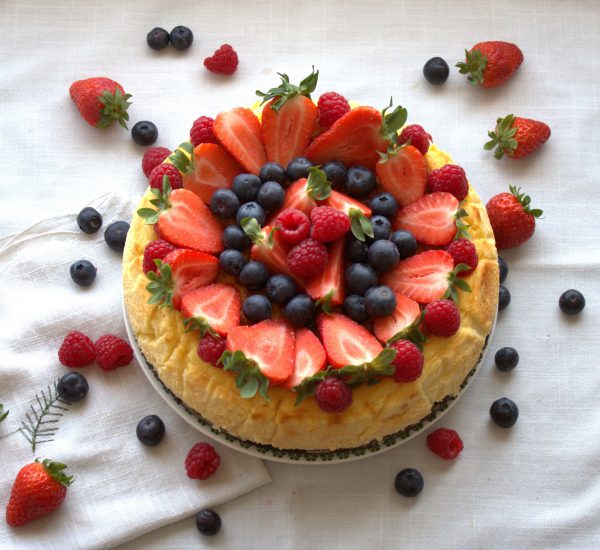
(424, 277)
(406, 313)
(287, 132)
(297, 196)
(346, 342)
(353, 139)
(432, 219)
(345, 204)
(403, 174)
(309, 358)
(272, 252)
(215, 307)
(240, 132)
(214, 168)
(330, 285)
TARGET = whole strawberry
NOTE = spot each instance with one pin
(512, 218)
(101, 101)
(517, 137)
(39, 488)
(491, 63)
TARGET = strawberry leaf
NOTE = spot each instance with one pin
(249, 379)
(253, 231)
(114, 108)
(183, 158)
(161, 285)
(503, 137)
(325, 302)
(412, 332)
(317, 186)
(525, 201)
(454, 282)
(286, 90)
(199, 323)
(392, 122)
(474, 66)
(161, 201)
(55, 471)
(307, 387)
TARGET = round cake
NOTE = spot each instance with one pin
(300, 332)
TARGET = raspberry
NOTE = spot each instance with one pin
(152, 158)
(294, 226)
(307, 259)
(329, 224)
(419, 138)
(442, 318)
(210, 349)
(464, 252)
(451, 179)
(223, 61)
(331, 107)
(333, 395)
(202, 461)
(408, 361)
(202, 131)
(77, 350)
(155, 250)
(113, 352)
(445, 443)
(166, 169)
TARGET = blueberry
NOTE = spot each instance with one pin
(336, 173)
(150, 430)
(72, 387)
(208, 522)
(506, 358)
(504, 412)
(571, 302)
(144, 132)
(383, 255)
(251, 210)
(436, 70)
(83, 272)
(89, 220)
(503, 269)
(115, 235)
(234, 237)
(272, 171)
(254, 275)
(405, 242)
(360, 181)
(298, 168)
(224, 203)
(409, 482)
(356, 251)
(232, 261)
(359, 278)
(354, 307)
(384, 204)
(270, 196)
(503, 298)
(281, 289)
(157, 38)
(257, 308)
(382, 228)
(246, 186)
(380, 301)
(300, 310)
(181, 37)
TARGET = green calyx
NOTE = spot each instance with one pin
(307, 387)
(525, 201)
(55, 471)
(318, 187)
(114, 108)
(285, 90)
(360, 225)
(391, 124)
(461, 226)
(161, 285)
(3, 413)
(255, 233)
(183, 158)
(249, 379)
(200, 324)
(160, 200)
(503, 139)
(474, 65)
(412, 332)
(455, 283)
(325, 302)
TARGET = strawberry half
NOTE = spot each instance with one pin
(403, 174)
(329, 287)
(359, 214)
(214, 308)
(406, 314)
(309, 358)
(304, 193)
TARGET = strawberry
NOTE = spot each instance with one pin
(39, 488)
(491, 63)
(394, 326)
(403, 174)
(329, 286)
(101, 101)
(359, 213)
(512, 218)
(517, 137)
(240, 132)
(214, 308)
(304, 193)
(309, 357)
(181, 271)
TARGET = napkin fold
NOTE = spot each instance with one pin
(122, 489)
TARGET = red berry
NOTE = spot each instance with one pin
(442, 318)
(419, 138)
(451, 179)
(152, 158)
(113, 352)
(307, 259)
(77, 350)
(223, 61)
(333, 395)
(329, 224)
(155, 250)
(202, 131)
(408, 361)
(331, 106)
(294, 226)
(445, 443)
(202, 461)
(464, 252)
(210, 349)
(166, 169)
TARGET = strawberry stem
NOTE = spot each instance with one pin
(249, 378)
(503, 139)
(161, 285)
(161, 201)
(474, 65)
(115, 107)
(285, 90)
(455, 282)
(525, 201)
(183, 158)
(55, 471)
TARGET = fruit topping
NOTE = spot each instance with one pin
(360, 181)
(268, 248)
(223, 61)
(517, 137)
(309, 357)
(202, 131)
(405, 242)
(72, 387)
(464, 252)
(336, 173)
(224, 203)
(112, 352)
(354, 307)
(257, 308)
(328, 224)
(115, 235)
(436, 70)
(329, 288)
(491, 63)
(83, 272)
(280, 289)
(571, 302)
(202, 461)
(144, 132)
(409, 482)
(155, 180)
(504, 412)
(445, 443)
(408, 361)
(234, 237)
(356, 251)
(415, 135)
(100, 101)
(76, 350)
(506, 359)
(152, 157)
(333, 395)
(503, 267)
(158, 38)
(272, 171)
(181, 37)
(232, 261)
(210, 348)
(294, 226)
(383, 255)
(380, 301)
(401, 323)
(332, 106)
(270, 196)
(360, 278)
(451, 179)
(307, 259)
(214, 308)
(441, 318)
(254, 275)
(384, 204)
(403, 174)
(150, 430)
(300, 310)
(250, 210)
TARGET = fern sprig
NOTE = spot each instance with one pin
(3, 413)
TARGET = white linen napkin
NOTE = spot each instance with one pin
(122, 489)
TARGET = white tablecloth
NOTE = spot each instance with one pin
(533, 486)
